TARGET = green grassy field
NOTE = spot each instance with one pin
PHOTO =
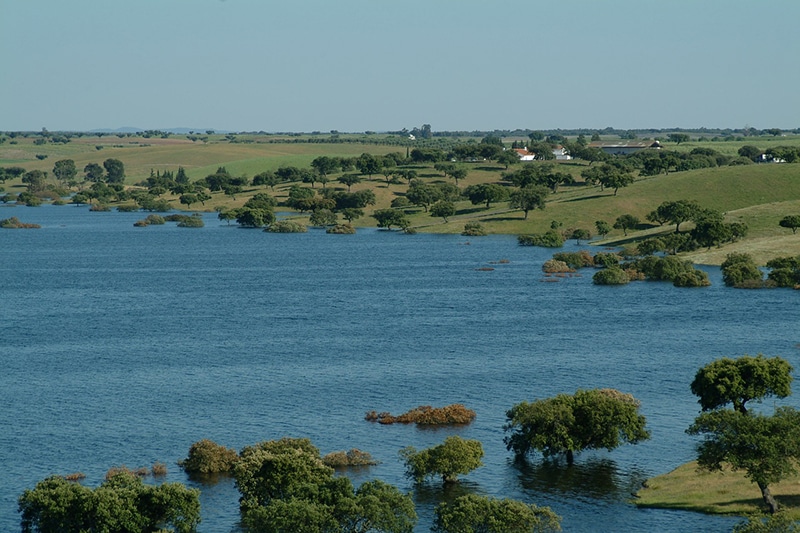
(759, 195)
(726, 492)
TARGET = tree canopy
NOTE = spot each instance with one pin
(565, 424)
(453, 457)
(474, 513)
(737, 381)
(122, 503)
(286, 488)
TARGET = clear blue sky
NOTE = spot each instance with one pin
(356, 65)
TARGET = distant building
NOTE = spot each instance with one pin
(624, 147)
(561, 153)
(524, 154)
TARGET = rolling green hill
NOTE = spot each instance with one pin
(758, 195)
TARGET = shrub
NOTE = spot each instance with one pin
(208, 457)
(606, 259)
(192, 222)
(75, 476)
(286, 226)
(158, 469)
(550, 239)
(784, 277)
(141, 224)
(425, 415)
(580, 259)
(99, 208)
(14, 223)
(342, 229)
(694, 278)
(552, 266)
(155, 220)
(740, 270)
(353, 457)
(474, 229)
(611, 276)
(128, 208)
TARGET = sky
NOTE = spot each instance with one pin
(383, 65)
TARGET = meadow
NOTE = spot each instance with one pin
(758, 195)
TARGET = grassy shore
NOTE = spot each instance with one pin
(758, 195)
(727, 492)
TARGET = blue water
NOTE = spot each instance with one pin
(123, 345)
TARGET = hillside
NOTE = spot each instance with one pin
(758, 195)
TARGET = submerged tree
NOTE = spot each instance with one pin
(565, 424)
(473, 513)
(453, 457)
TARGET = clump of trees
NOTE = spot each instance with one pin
(567, 424)
(425, 415)
(765, 447)
(285, 486)
(122, 503)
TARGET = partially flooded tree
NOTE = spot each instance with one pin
(566, 424)
(453, 457)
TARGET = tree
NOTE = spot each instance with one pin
(64, 170)
(529, 198)
(580, 235)
(391, 217)
(9, 173)
(486, 193)
(565, 424)
(675, 212)
(458, 173)
(268, 178)
(474, 513)
(678, 138)
(325, 165)
(790, 221)
(737, 381)
(626, 222)
(443, 209)
(115, 170)
(508, 157)
(423, 194)
(750, 152)
(122, 503)
(615, 178)
(368, 164)
(765, 447)
(323, 217)
(253, 217)
(36, 180)
(603, 228)
(352, 213)
(453, 457)
(188, 199)
(349, 180)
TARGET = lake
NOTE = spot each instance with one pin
(124, 345)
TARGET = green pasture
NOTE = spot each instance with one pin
(758, 195)
(726, 492)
